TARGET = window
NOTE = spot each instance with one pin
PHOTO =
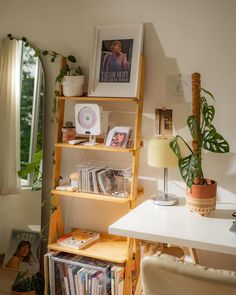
(31, 110)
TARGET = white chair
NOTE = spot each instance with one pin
(167, 275)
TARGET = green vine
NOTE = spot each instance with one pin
(66, 70)
(53, 55)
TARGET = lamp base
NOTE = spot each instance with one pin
(165, 200)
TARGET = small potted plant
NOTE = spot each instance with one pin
(201, 192)
(27, 284)
(68, 132)
(72, 80)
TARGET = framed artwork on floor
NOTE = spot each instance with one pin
(116, 53)
(23, 251)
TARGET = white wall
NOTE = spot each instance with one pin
(181, 37)
(18, 211)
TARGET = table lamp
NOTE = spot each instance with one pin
(160, 155)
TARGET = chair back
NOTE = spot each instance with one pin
(167, 275)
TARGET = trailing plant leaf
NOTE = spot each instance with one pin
(214, 142)
(71, 58)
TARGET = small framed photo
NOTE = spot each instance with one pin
(163, 122)
(23, 251)
(114, 67)
(118, 136)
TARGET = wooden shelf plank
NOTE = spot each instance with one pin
(108, 248)
(93, 98)
(98, 197)
(98, 147)
(91, 196)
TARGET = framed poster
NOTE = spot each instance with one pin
(118, 136)
(115, 62)
(23, 251)
(163, 122)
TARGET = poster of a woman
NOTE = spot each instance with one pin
(116, 56)
(23, 251)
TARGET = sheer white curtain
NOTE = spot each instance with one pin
(10, 56)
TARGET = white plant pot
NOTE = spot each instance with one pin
(73, 85)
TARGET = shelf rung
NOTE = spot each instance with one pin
(93, 98)
(99, 197)
(97, 147)
(108, 248)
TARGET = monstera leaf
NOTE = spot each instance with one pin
(175, 146)
(193, 126)
(214, 142)
(190, 168)
(208, 113)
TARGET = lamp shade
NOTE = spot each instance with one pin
(160, 153)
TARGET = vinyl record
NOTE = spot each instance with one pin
(87, 118)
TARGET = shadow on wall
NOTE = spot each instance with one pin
(222, 168)
(158, 67)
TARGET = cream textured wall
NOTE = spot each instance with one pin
(18, 211)
(181, 37)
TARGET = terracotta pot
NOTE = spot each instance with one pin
(68, 134)
(23, 293)
(202, 198)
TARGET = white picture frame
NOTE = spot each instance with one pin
(114, 67)
(118, 136)
(23, 252)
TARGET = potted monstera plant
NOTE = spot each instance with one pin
(201, 192)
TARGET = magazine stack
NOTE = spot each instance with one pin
(70, 274)
(78, 239)
(104, 180)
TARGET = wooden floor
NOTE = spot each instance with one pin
(6, 279)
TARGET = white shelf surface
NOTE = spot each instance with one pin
(177, 225)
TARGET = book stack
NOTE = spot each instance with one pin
(117, 280)
(105, 180)
(70, 274)
(78, 239)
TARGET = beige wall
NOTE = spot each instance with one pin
(18, 211)
(181, 37)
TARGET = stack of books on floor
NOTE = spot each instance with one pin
(69, 274)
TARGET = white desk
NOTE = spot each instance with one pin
(176, 225)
